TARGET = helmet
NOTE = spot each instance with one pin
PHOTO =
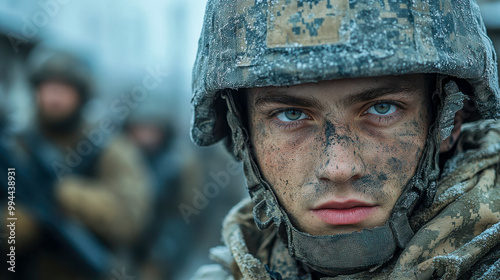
(248, 43)
(66, 68)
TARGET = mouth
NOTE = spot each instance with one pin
(348, 212)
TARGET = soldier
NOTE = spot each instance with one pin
(366, 133)
(86, 173)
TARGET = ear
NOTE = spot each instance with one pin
(449, 142)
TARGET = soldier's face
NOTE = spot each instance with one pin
(338, 153)
(57, 101)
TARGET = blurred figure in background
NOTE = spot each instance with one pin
(166, 240)
(93, 177)
(186, 206)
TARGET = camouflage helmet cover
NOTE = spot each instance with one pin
(256, 43)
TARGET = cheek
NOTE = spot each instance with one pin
(70, 100)
(285, 163)
(395, 159)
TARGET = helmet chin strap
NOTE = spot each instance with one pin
(356, 251)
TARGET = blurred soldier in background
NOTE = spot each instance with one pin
(92, 192)
(174, 171)
(174, 241)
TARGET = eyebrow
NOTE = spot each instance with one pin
(378, 92)
(282, 97)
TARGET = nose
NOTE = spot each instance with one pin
(340, 159)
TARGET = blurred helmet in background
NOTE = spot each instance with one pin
(64, 68)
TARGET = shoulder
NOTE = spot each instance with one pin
(118, 144)
(120, 158)
(119, 149)
(219, 270)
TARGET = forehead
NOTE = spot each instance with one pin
(56, 83)
(337, 89)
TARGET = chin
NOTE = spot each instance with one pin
(321, 228)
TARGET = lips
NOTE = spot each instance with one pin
(344, 212)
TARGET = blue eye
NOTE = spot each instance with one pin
(291, 115)
(382, 109)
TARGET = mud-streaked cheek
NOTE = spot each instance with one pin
(398, 158)
(286, 161)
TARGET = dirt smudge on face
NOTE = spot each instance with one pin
(330, 131)
(369, 184)
(382, 177)
(394, 164)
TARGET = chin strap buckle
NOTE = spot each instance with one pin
(262, 225)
